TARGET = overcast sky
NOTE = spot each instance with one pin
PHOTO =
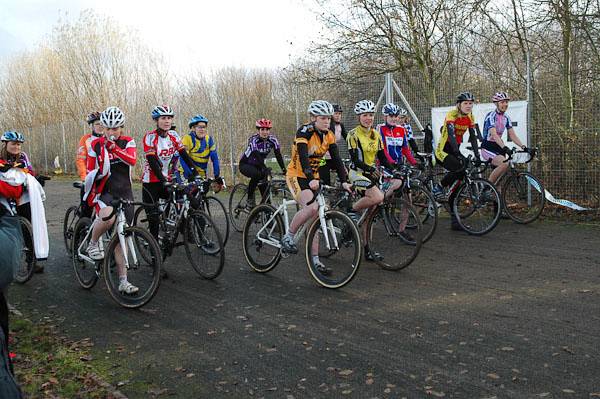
(205, 34)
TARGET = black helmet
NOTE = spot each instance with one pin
(465, 96)
(93, 117)
(337, 108)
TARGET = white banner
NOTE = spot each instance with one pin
(517, 112)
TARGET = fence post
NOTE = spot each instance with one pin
(45, 147)
(389, 89)
(296, 104)
(529, 98)
(62, 124)
(230, 128)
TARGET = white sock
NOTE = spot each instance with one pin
(290, 234)
(316, 260)
(122, 279)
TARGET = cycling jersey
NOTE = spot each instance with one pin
(165, 148)
(258, 149)
(318, 144)
(461, 124)
(498, 120)
(409, 131)
(200, 150)
(395, 143)
(367, 143)
(117, 181)
(82, 150)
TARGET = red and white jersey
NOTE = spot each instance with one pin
(164, 148)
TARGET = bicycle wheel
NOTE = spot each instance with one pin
(85, 269)
(27, 264)
(344, 249)
(394, 234)
(214, 208)
(523, 197)
(69, 226)
(144, 275)
(204, 245)
(427, 209)
(238, 212)
(477, 206)
(142, 247)
(261, 238)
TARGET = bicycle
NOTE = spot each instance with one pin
(333, 231)
(477, 203)
(28, 260)
(238, 199)
(72, 216)
(213, 207)
(143, 270)
(201, 239)
(523, 195)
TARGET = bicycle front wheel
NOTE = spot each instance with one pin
(341, 240)
(394, 235)
(262, 237)
(214, 208)
(27, 264)
(426, 207)
(203, 245)
(477, 206)
(69, 222)
(85, 269)
(523, 197)
(141, 273)
(238, 211)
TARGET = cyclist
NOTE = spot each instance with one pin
(404, 120)
(366, 148)
(110, 160)
(493, 147)
(200, 147)
(312, 141)
(458, 120)
(85, 141)
(160, 147)
(394, 136)
(252, 163)
(338, 128)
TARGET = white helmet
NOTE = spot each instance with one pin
(112, 117)
(402, 112)
(364, 106)
(320, 108)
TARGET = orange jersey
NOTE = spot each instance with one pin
(83, 148)
(318, 145)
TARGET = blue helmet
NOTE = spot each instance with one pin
(197, 119)
(162, 110)
(390, 109)
(11, 135)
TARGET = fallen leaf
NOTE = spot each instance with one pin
(190, 375)
(346, 372)
(493, 376)
(507, 348)
(568, 391)
(369, 381)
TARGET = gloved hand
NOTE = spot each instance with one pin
(375, 174)
(219, 180)
(524, 148)
(110, 145)
(507, 150)
(6, 167)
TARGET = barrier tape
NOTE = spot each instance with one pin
(550, 197)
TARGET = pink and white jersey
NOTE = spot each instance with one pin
(164, 148)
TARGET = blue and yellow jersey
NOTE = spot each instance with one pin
(200, 150)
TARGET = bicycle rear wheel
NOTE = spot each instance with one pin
(214, 208)
(238, 212)
(69, 222)
(203, 245)
(344, 250)
(144, 275)
(477, 206)
(261, 239)
(85, 270)
(395, 234)
(427, 209)
(523, 197)
(27, 264)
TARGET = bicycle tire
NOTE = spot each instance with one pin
(218, 213)
(525, 187)
(141, 220)
(237, 206)
(69, 223)
(152, 271)
(207, 243)
(348, 235)
(257, 218)
(470, 200)
(427, 208)
(28, 260)
(85, 273)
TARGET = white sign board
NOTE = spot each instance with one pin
(517, 112)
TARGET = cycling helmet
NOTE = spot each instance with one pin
(162, 110)
(93, 117)
(402, 112)
(112, 117)
(364, 106)
(500, 96)
(11, 135)
(465, 96)
(197, 119)
(320, 108)
(264, 123)
(390, 109)
(337, 108)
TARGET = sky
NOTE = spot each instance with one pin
(191, 34)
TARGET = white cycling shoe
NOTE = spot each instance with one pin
(127, 288)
